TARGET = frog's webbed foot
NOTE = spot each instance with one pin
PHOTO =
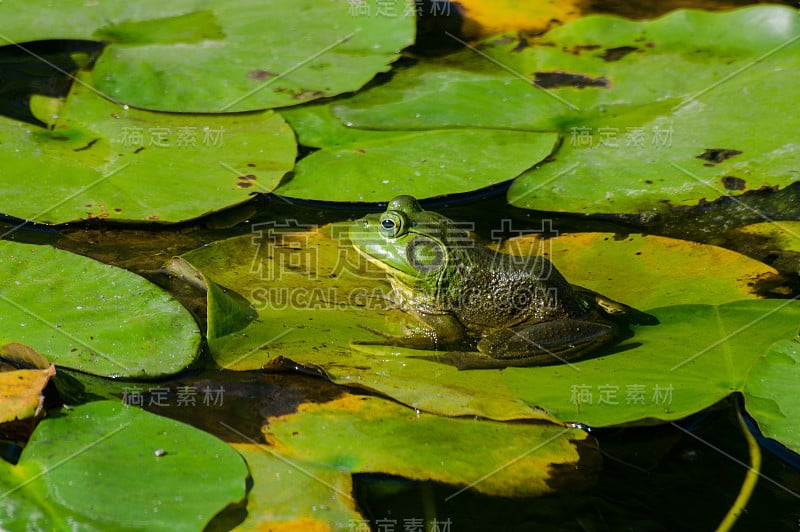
(436, 332)
(476, 360)
(549, 342)
(412, 341)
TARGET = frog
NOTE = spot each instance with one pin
(477, 307)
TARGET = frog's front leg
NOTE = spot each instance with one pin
(439, 331)
(548, 342)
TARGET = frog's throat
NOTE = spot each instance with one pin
(408, 281)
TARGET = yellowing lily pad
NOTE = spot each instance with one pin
(101, 160)
(311, 298)
(483, 18)
(627, 268)
(372, 435)
(21, 392)
(289, 495)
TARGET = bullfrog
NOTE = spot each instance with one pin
(482, 308)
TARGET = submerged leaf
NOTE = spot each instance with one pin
(771, 393)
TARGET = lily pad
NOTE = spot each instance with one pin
(652, 113)
(314, 297)
(292, 495)
(105, 465)
(373, 435)
(205, 57)
(683, 271)
(771, 392)
(85, 315)
(102, 160)
(695, 356)
(375, 166)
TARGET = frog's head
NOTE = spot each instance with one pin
(409, 244)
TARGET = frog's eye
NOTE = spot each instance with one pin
(392, 224)
(425, 255)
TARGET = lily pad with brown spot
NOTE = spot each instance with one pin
(99, 160)
(632, 128)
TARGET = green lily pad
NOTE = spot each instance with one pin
(695, 356)
(375, 166)
(100, 160)
(652, 113)
(371, 435)
(85, 315)
(314, 297)
(771, 392)
(291, 495)
(105, 465)
(205, 57)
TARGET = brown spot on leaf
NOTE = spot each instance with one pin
(553, 80)
(578, 48)
(248, 177)
(301, 94)
(244, 184)
(504, 40)
(733, 183)
(717, 155)
(260, 74)
(154, 217)
(88, 145)
(615, 54)
(137, 150)
(251, 165)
